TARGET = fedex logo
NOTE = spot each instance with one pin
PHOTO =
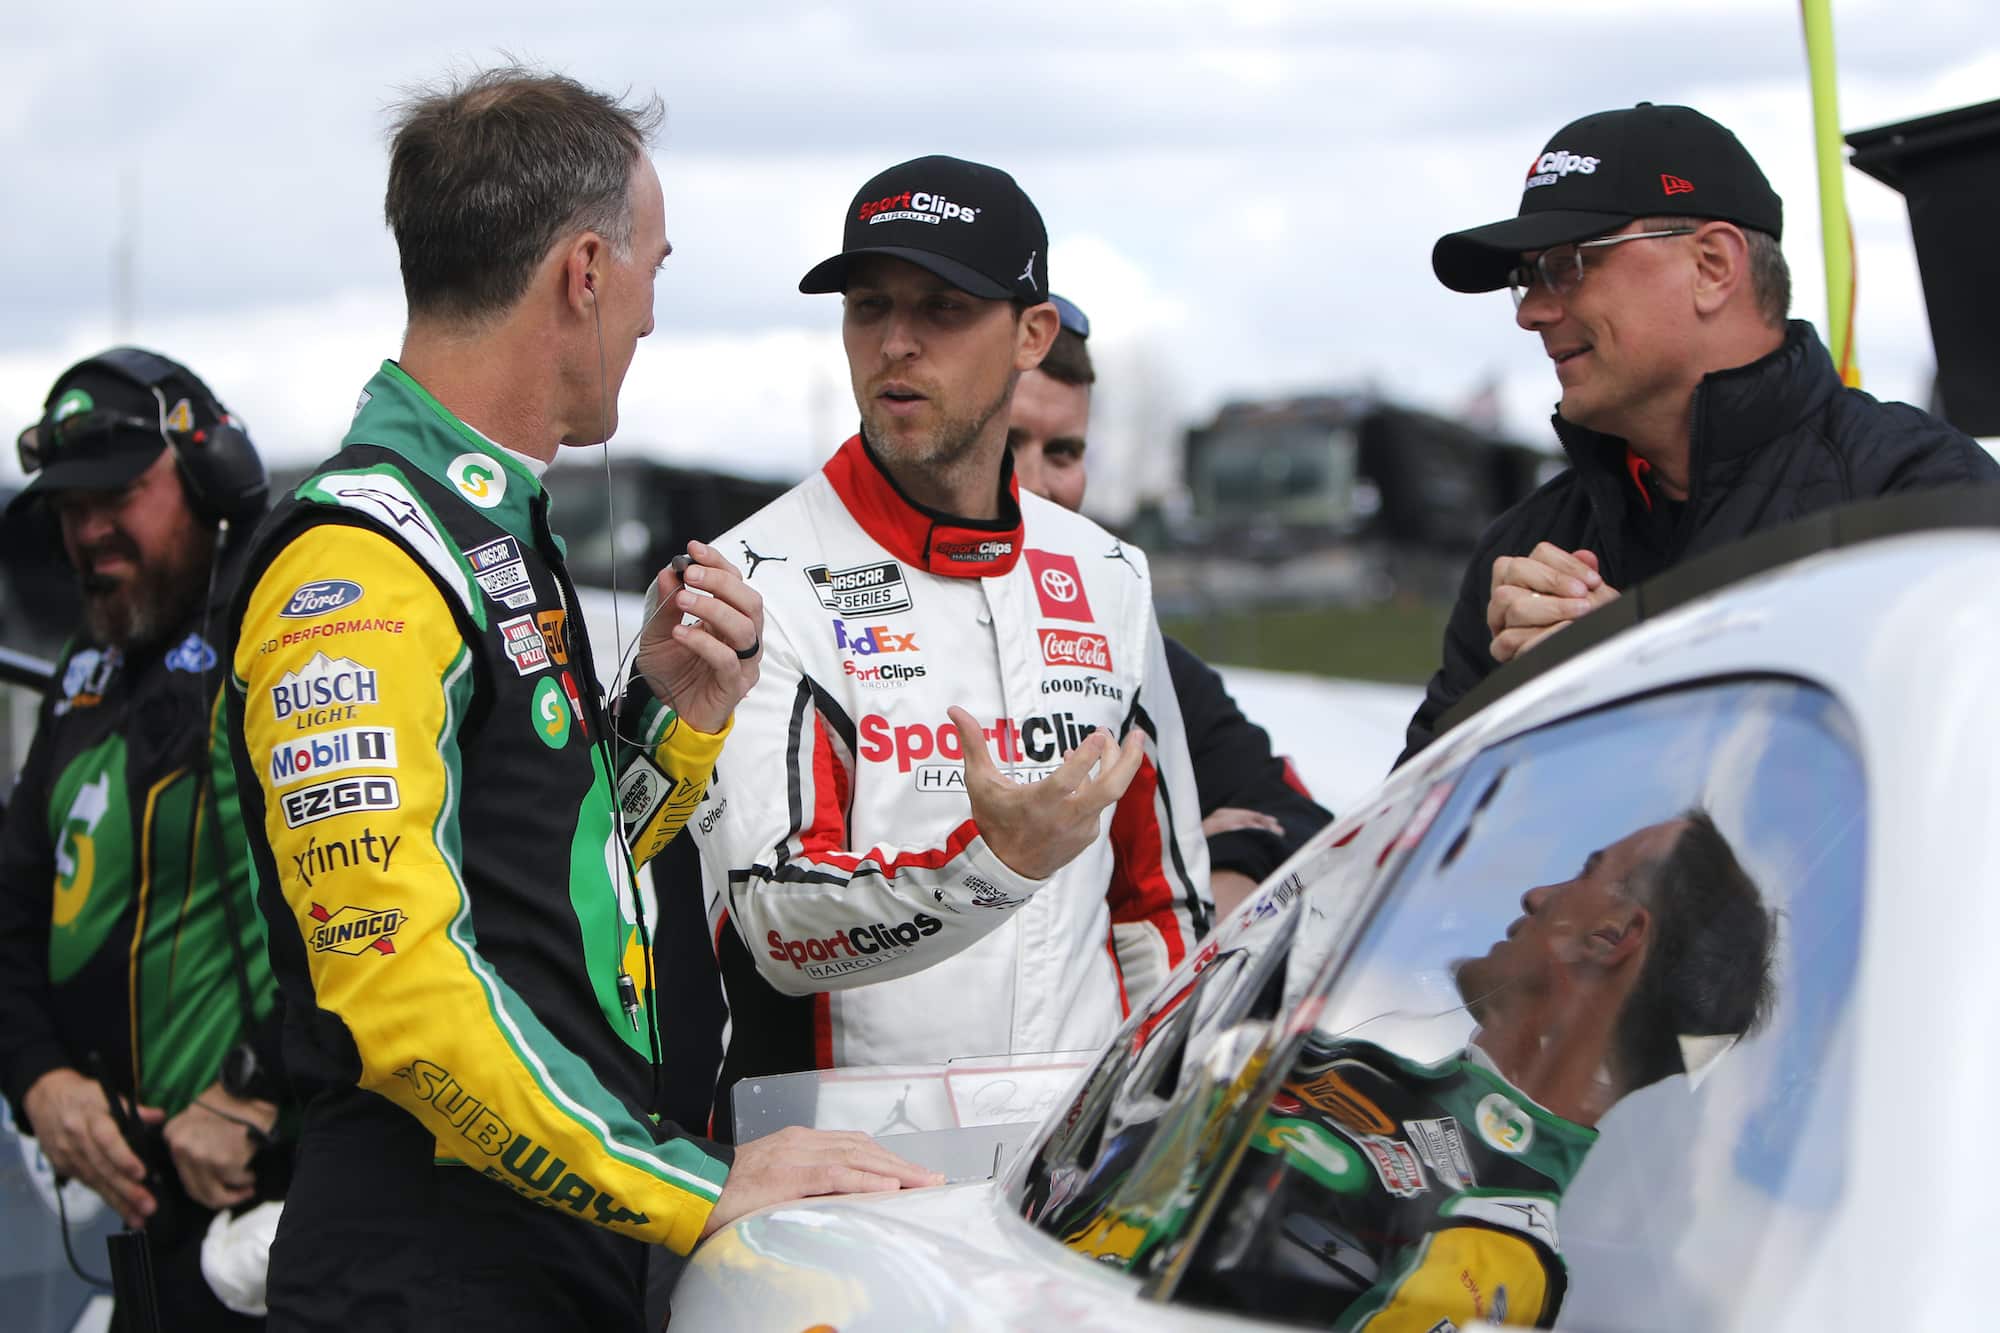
(1058, 585)
(871, 640)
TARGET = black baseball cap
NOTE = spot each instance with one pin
(1604, 171)
(102, 425)
(970, 224)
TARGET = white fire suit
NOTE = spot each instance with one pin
(837, 836)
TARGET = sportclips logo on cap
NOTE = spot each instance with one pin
(915, 206)
(1557, 163)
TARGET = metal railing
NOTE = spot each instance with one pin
(27, 671)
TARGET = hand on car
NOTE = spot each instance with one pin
(1535, 595)
(1037, 828)
(79, 1136)
(799, 1163)
(702, 668)
(212, 1152)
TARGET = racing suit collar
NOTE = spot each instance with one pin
(958, 548)
(399, 414)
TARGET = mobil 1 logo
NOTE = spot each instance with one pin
(877, 586)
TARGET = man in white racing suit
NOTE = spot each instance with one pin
(901, 864)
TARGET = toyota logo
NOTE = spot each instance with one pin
(1058, 585)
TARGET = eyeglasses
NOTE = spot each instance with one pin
(1072, 318)
(1561, 268)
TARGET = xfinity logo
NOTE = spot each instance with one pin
(1555, 164)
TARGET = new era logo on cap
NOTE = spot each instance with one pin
(968, 223)
(1675, 185)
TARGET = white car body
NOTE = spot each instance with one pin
(1903, 635)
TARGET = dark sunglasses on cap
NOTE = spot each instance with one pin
(1072, 318)
(41, 443)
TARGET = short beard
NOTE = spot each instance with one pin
(955, 439)
(140, 612)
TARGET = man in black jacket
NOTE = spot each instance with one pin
(1645, 255)
(131, 956)
(1255, 811)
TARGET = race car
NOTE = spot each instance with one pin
(1648, 997)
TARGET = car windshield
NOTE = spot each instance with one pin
(1580, 1061)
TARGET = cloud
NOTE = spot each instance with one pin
(1243, 194)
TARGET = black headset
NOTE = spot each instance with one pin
(219, 466)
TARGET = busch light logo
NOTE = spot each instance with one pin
(193, 655)
(323, 682)
(320, 597)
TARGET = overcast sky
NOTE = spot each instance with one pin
(1242, 195)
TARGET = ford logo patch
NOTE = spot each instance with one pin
(320, 597)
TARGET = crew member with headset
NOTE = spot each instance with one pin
(137, 1024)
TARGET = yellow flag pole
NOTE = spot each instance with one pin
(1835, 232)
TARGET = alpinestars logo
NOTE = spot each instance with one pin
(1555, 164)
(915, 207)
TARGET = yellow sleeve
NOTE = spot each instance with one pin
(438, 1032)
(1462, 1274)
(664, 778)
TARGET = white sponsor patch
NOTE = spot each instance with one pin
(525, 645)
(642, 791)
(479, 479)
(1441, 1143)
(1397, 1166)
(342, 796)
(877, 586)
(1504, 1125)
(319, 753)
(502, 573)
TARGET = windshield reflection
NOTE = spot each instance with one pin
(1391, 1193)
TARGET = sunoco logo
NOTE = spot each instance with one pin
(317, 599)
(353, 930)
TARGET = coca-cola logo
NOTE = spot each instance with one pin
(1076, 648)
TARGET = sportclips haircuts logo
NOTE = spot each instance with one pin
(1038, 739)
(853, 950)
(919, 206)
(1555, 164)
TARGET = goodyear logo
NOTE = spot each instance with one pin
(350, 930)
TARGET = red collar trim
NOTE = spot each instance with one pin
(1639, 467)
(958, 548)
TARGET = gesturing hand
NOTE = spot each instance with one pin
(1037, 828)
(702, 669)
(74, 1125)
(798, 1163)
(1536, 594)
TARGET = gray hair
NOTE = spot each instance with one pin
(486, 172)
